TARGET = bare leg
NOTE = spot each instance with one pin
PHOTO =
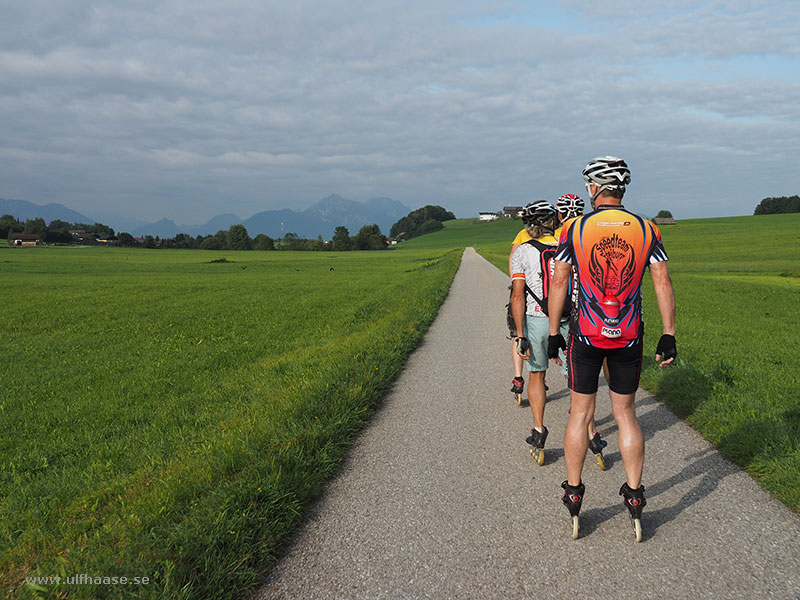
(537, 397)
(591, 428)
(605, 374)
(575, 439)
(631, 440)
(517, 360)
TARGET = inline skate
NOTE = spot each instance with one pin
(536, 440)
(635, 502)
(518, 386)
(572, 499)
(596, 445)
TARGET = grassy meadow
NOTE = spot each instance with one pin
(168, 415)
(737, 287)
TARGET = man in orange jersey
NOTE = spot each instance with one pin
(609, 248)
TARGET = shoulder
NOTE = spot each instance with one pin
(656, 231)
(521, 238)
(548, 240)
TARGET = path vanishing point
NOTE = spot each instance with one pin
(439, 497)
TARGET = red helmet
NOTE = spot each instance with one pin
(570, 206)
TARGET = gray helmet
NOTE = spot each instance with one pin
(540, 212)
(608, 172)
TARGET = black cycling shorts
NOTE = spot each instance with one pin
(585, 361)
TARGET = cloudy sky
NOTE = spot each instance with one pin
(190, 108)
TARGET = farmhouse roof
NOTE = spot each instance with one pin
(25, 237)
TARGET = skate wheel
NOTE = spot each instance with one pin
(518, 398)
(601, 462)
(575, 527)
(637, 529)
(538, 455)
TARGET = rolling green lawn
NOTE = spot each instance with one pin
(737, 287)
(168, 416)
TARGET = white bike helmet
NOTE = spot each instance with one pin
(608, 172)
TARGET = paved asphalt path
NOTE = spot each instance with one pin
(440, 498)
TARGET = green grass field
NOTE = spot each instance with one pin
(168, 416)
(737, 287)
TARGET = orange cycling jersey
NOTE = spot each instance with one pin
(609, 248)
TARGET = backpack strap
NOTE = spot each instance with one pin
(539, 301)
(541, 248)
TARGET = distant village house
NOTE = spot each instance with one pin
(24, 239)
(512, 212)
(488, 216)
(82, 237)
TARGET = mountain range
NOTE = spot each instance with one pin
(320, 219)
(23, 210)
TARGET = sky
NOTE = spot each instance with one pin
(186, 109)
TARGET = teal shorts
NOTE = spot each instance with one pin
(537, 330)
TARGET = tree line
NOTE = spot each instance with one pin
(237, 238)
(416, 223)
(779, 205)
(56, 232)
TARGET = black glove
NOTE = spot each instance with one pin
(666, 348)
(523, 345)
(554, 343)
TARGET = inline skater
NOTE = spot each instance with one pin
(609, 249)
(518, 383)
(529, 290)
(570, 207)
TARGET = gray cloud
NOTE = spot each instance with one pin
(186, 110)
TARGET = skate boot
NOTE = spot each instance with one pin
(572, 499)
(536, 440)
(517, 386)
(634, 500)
(596, 445)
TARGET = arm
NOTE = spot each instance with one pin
(559, 287)
(666, 299)
(518, 308)
(510, 256)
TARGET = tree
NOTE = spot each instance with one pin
(59, 225)
(58, 236)
(218, 241)
(184, 241)
(412, 224)
(370, 238)
(263, 242)
(126, 239)
(774, 206)
(9, 224)
(149, 241)
(291, 241)
(429, 226)
(341, 239)
(36, 226)
(664, 214)
(238, 238)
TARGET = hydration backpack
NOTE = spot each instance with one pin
(546, 255)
